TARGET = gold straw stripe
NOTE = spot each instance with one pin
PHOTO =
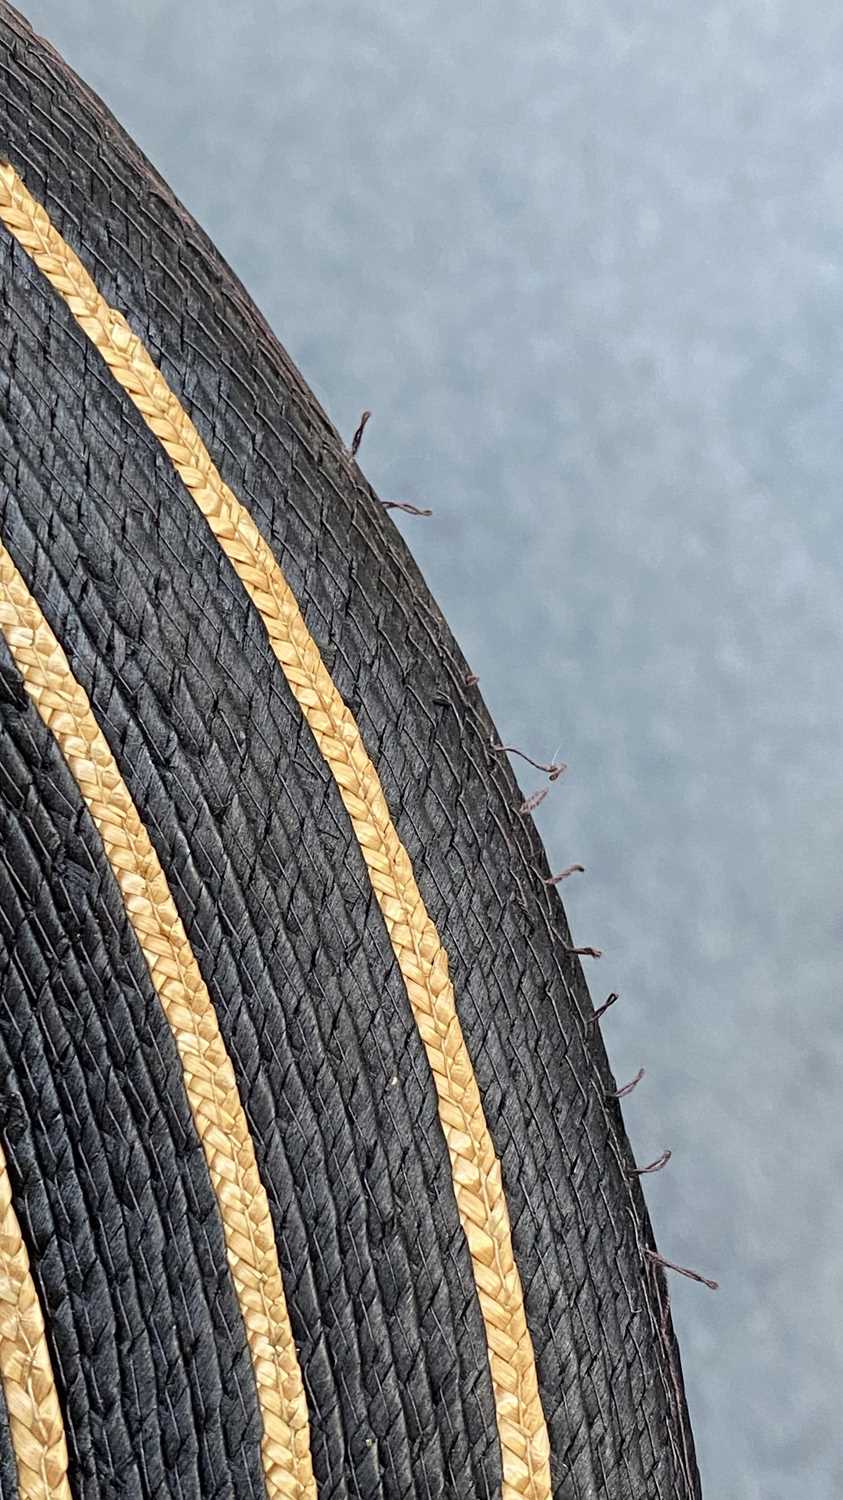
(208, 1074)
(26, 1374)
(423, 963)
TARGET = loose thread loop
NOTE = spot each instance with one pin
(358, 436)
(654, 1166)
(563, 874)
(408, 509)
(585, 952)
(533, 801)
(602, 1009)
(553, 769)
(669, 1265)
(628, 1087)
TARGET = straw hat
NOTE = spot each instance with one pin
(312, 1182)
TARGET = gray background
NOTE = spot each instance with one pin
(583, 261)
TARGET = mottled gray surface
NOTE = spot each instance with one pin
(583, 262)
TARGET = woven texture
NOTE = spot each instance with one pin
(421, 958)
(32, 1403)
(272, 886)
(208, 1075)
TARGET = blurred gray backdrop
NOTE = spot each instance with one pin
(584, 262)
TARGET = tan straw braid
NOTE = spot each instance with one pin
(208, 1075)
(35, 1421)
(423, 963)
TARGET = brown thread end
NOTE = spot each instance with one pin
(358, 436)
(669, 1265)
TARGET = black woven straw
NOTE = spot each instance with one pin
(109, 1182)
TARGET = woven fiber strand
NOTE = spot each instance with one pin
(208, 1075)
(32, 1404)
(421, 958)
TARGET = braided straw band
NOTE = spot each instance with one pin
(35, 1420)
(208, 1075)
(422, 960)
